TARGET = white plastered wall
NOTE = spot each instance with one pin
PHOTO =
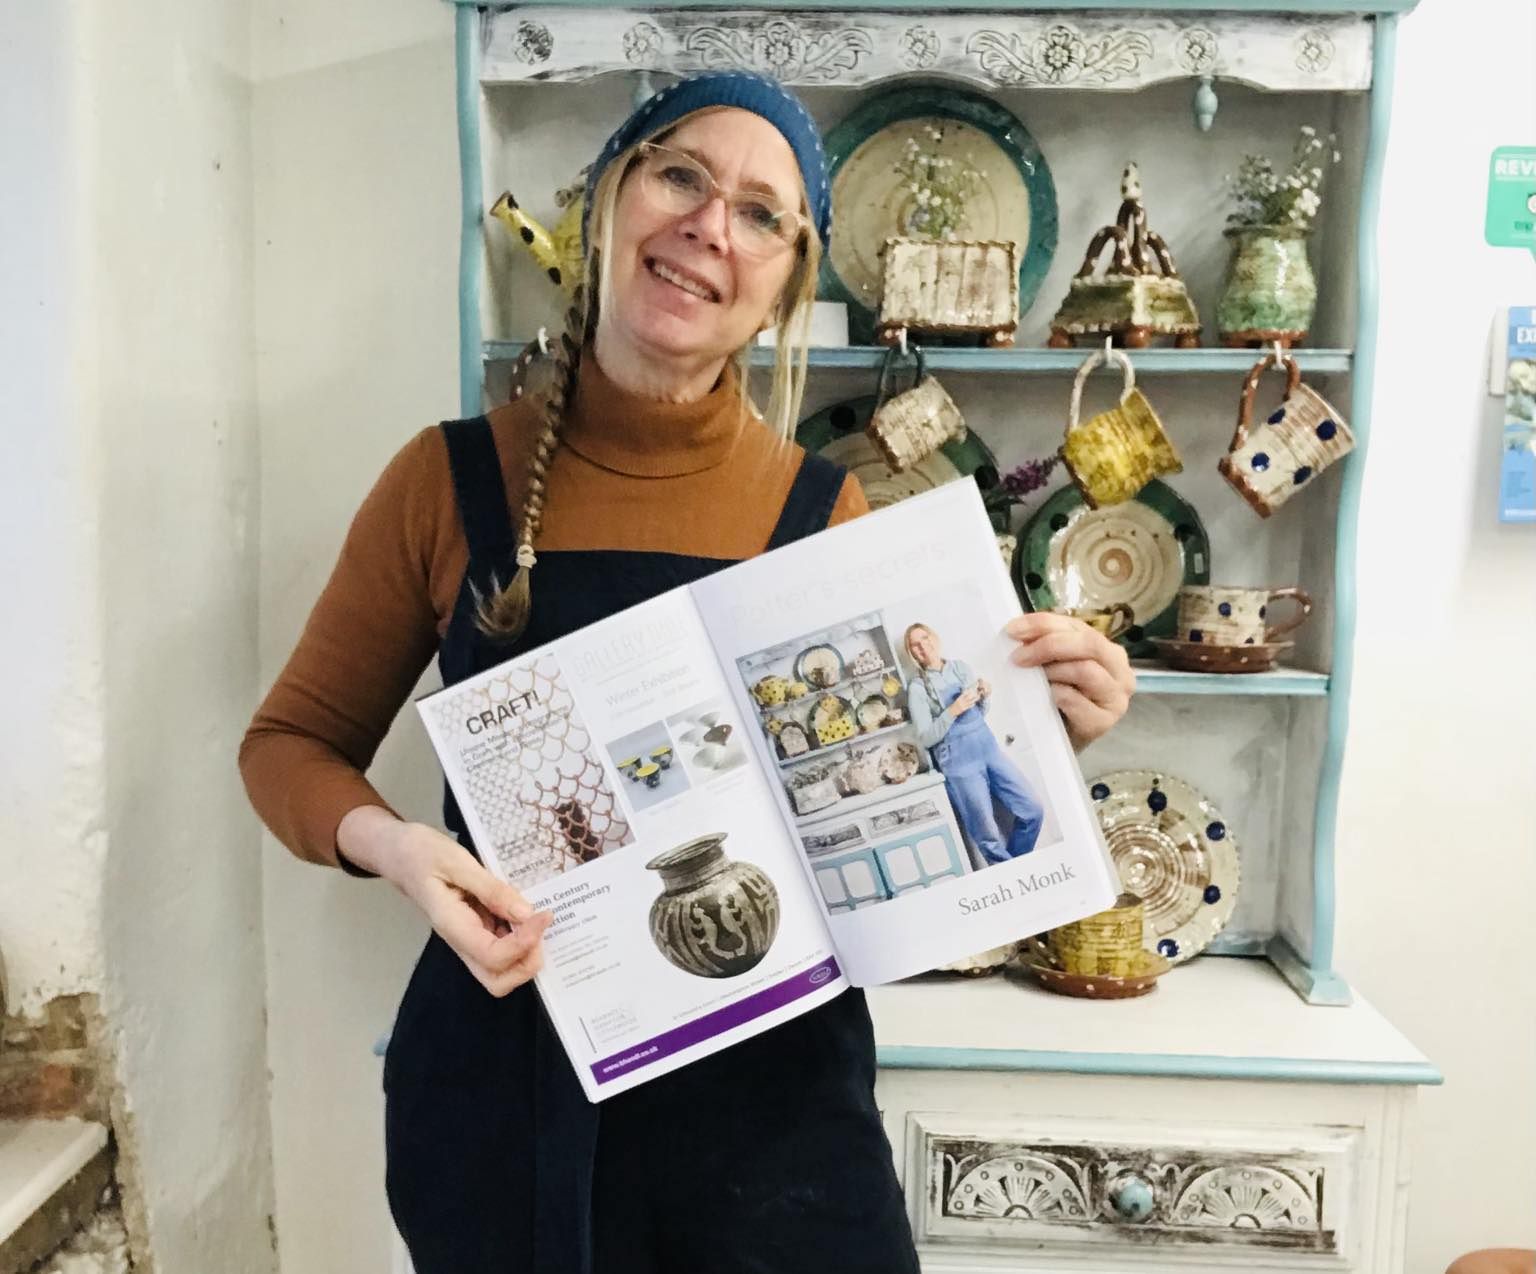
(128, 863)
(356, 233)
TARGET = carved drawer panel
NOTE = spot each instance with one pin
(1079, 1183)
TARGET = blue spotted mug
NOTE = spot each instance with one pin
(1220, 615)
(1269, 463)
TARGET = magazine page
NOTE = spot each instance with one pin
(608, 777)
(928, 781)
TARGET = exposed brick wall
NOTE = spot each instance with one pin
(48, 1065)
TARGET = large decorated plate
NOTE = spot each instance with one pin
(1140, 553)
(837, 432)
(1174, 851)
(819, 666)
(926, 161)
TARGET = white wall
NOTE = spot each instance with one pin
(129, 862)
(356, 233)
(51, 802)
(356, 219)
(1437, 836)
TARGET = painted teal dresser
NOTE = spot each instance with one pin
(1254, 1112)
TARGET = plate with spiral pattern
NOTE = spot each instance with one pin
(1139, 553)
(1175, 851)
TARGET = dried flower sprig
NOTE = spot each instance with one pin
(1263, 197)
(1017, 485)
(939, 185)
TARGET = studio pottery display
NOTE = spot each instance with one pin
(838, 433)
(1036, 959)
(1270, 293)
(862, 775)
(771, 691)
(558, 251)
(1139, 554)
(792, 738)
(1269, 463)
(1115, 453)
(820, 666)
(1175, 851)
(934, 163)
(832, 720)
(1139, 295)
(910, 426)
(899, 762)
(873, 713)
(956, 289)
(1108, 941)
(715, 917)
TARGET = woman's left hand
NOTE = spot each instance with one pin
(1091, 677)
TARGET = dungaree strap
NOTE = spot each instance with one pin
(811, 498)
(482, 498)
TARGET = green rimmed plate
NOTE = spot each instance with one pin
(995, 172)
(837, 432)
(1139, 553)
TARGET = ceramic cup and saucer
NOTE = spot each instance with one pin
(1227, 629)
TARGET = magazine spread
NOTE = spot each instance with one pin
(813, 769)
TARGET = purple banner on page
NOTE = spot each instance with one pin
(717, 1023)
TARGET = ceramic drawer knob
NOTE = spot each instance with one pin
(1131, 1197)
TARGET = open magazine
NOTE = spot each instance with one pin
(813, 769)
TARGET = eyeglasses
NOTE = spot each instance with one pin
(678, 184)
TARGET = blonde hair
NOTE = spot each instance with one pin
(504, 614)
(922, 668)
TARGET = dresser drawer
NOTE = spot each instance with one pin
(1202, 1196)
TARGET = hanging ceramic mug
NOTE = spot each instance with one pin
(1112, 455)
(912, 425)
(1297, 441)
(1224, 616)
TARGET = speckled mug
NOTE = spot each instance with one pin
(1226, 616)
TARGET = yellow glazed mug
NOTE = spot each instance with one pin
(1111, 622)
(1112, 455)
(1106, 944)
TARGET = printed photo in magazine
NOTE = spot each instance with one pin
(928, 781)
(810, 770)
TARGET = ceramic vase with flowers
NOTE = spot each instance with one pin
(1271, 293)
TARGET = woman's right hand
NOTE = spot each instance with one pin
(964, 701)
(489, 925)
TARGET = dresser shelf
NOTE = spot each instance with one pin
(1151, 362)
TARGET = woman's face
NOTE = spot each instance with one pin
(924, 647)
(724, 297)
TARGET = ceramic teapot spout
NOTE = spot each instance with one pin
(557, 251)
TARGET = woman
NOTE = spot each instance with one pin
(643, 467)
(948, 704)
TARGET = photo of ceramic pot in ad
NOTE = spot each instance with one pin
(715, 917)
(646, 758)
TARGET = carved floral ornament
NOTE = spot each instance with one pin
(1044, 50)
(1250, 1200)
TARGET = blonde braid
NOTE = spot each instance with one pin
(504, 615)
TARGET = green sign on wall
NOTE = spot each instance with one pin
(1511, 221)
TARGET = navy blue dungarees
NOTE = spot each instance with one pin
(766, 1158)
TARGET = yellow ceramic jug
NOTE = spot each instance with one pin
(1112, 455)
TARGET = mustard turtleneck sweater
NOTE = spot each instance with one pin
(705, 479)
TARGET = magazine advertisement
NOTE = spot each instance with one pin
(607, 777)
(811, 769)
(928, 782)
